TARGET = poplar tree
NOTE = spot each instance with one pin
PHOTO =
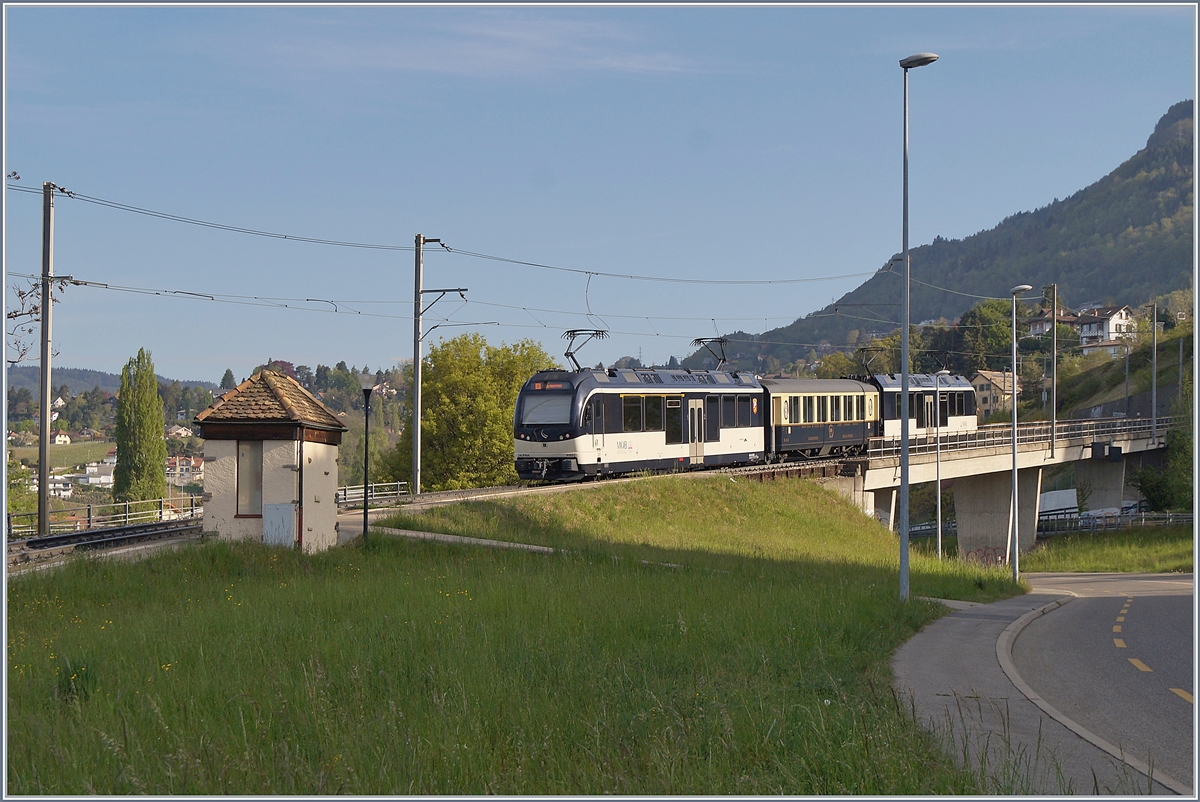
(141, 469)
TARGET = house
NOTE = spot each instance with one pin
(270, 464)
(96, 474)
(1106, 324)
(59, 403)
(182, 471)
(993, 391)
(61, 439)
(179, 432)
(58, 486)
(1041, 324)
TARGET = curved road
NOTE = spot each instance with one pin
(1118, 660)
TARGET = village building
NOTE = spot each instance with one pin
(270, 464)
(1041, 324)
(993, 391)
(183, 471)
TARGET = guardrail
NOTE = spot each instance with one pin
(23, 525)
(1051, 525)
(352, 495)
(997, 435)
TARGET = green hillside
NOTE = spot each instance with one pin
(1125, 238)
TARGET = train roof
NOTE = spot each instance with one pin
(803, 386)
(921, 381)
(643, 379)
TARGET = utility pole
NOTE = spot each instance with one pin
(47, 304)
(419, 268)
(1053, 362)
(1154, 372)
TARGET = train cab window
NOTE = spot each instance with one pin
(835, 408)
(809, 414)
(743, 410)
(728, 411)
(822, 409)
(546, 409)
(674, 420)
(654, 413)
(631, 417)
(794, 409)
(712, 419)
(593, 416)
(860, 407)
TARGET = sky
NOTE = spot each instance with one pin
(744, 164)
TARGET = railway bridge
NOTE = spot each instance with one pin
(980, 462)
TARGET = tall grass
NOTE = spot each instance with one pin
(1143, 549)
(404, 667)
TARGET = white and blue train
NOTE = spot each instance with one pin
(576, 425)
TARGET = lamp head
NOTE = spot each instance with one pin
(1020, 288)
(367, 382)
(942, 372)
(918, 60)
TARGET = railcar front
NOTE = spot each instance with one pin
(623, 420)
(812, 418)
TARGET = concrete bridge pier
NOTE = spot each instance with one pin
(885, 506)
(983, 508)
(1107, 478)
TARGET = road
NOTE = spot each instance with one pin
(1118, 660)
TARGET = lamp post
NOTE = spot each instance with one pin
(367, 382)
(918, 60)
(937, 382)
(1016, 517)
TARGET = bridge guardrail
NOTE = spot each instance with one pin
(23, 525)
(352, 495)
(998, 435)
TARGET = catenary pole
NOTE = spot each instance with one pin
(415, 489)
(1015, 517)
(1154, 373)
(47, 302)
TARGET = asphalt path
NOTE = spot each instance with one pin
(1118, 660)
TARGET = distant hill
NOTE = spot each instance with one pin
(79, 379)
(1126, 239)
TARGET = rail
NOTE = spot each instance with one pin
(998, 435)
(352, 495)
(23, 525)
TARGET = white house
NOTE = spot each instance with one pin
(270, 464)
(993, 391)
(61, 439)
(185, 470)
(179, 432)
(1106, 324)
(96, 474)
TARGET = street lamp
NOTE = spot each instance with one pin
(918, 60)
(937, 383)
(367, 382)
(1016, 517)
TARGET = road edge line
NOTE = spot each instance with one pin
(1004, 656)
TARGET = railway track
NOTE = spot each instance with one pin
(37, 551)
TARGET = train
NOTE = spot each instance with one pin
(570, 426)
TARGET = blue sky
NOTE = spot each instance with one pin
(699, 143)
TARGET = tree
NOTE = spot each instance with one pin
(227, 381)
(469, 390)
(986, 336)
(140, 472)
(1172, 488)
(20, 497)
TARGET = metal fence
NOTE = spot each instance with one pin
(1055, 523)
(22, 525)
(998, 435)
(352, 495)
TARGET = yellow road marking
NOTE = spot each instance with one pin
(1120, 618)
(1139, 665)
(1116, 627)
(1124, 611)
(1120, 644)
(1182, 694)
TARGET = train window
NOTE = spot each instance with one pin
(809, 414)
(613, 414)
(674, 420)
(546, 409)
(712, 418)
(593, 416)
(822, 409)
(728, 411)
(848, 407)
(835, 407)
(860, 407)
(654, 413)
(870, 407)
(794, 404)
(743, 410)
(631, 413)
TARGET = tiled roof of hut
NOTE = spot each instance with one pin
(270, 397)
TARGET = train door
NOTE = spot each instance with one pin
(930, 419)
(593, 425)
(696, 431)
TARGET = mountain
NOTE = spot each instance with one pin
(78, 379)
(1126, 238)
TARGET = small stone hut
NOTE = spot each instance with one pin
(270, 464)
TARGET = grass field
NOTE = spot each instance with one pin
(67, 456)
(1150, 549)
(757, 665)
